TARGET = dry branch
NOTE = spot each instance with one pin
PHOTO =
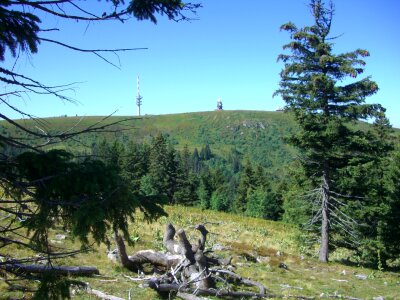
(187, 268)
(62, 270)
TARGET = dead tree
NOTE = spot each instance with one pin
(187, 268)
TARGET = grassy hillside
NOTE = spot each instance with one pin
(257, 134)
(258, 248)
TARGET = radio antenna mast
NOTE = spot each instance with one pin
(138, 97)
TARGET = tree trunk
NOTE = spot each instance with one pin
(136, 262)
(63, 270)
(325, 227)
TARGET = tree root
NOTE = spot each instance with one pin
(187, 273)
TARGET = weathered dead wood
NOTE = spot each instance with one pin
(186, 296)
(186, 247)
(173, 287)
(62, 270)
(123, 257)
(100, 294)
(230, 276)
(136, 261)
(169, 243)
(187, 268)
(204, 274)
(202, 241)
(157, 259)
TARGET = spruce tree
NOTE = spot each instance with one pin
(185, 180)
(315, 84)
(136, 164)
(245, 187)
(162, 168)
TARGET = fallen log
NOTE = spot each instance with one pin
(100, 294)
(173, 287)
(61, 270)
(187, 268)
(233, 276)
(135, 262)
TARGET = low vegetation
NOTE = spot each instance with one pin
(262, 250)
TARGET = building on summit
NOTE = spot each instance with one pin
(219, 104)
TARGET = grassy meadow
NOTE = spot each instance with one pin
(259, 249)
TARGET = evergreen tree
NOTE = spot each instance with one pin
(205, 188)
(325, 110)
(221, 199)
(297, 208)
(390, 232)
(186, 182)
(205, 152)
(195, 162)
(246, 186)
(260, 178)
(264, 204)
(234, 160)
(136, 164)
(88, 196)
(163, 168)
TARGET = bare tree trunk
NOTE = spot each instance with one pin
(64, 270)
(325, 227)
(123, 257)
(187, 268)
(136, 262)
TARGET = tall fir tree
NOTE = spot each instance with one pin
(245, 187)
(326, 107)
(185, 180)
(162, 169)
(136, 164)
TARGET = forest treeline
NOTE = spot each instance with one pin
(367, 223)
(195, 177)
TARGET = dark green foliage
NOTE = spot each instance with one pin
(390, 232)
(297, 208)
(89, 197)
(53, 287)
(186, 181)
(205, 189)
(163, 168)
(44, 188)
(205, 152)
(146, 10)
(136, 164)
(245, 188)
(221, 199)
(195, 162)
(20, 27)
(377, 210)
(264, 204)
(327, 110)
(18, 30)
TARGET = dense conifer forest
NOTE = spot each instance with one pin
(241, 162)
(285, 192)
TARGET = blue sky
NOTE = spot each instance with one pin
(229, 52)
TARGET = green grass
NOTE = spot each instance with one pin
(257, 134)
(245, 239)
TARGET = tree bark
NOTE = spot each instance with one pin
(63, 270)
(188, 274)
(123, 257)
(325, 227)
(171, 287)
(169, 243)
(136, 262)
